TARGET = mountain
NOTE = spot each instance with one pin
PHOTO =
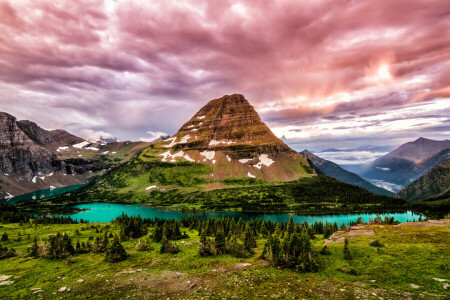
(228, 135)
(32, 158)
(408, 162)
(331, 169)
(225, 158)
(51, 140)
(433, 184)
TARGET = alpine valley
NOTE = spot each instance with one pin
(226, 158)
(200, 204)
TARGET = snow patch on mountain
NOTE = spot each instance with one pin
(251, 175)
(167, 155)
(244, 160)
(214, 142)
(62, 148)
(80, 145)
(208, 154)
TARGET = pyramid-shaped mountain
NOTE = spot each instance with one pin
(228, 134)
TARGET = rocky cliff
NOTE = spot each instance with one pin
(19, 154)
(51, 140)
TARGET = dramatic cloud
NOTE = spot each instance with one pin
(319, 72)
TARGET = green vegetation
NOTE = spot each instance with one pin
(415, 258)
(308, 195)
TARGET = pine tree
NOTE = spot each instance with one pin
(4, 237)
(158, 234)
(205, 247)
(35, 248)
(291, 225)
(219, 243)
(347, 254)
(116, 252)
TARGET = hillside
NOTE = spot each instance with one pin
(331, 169)
(408, 162)
(434, 184)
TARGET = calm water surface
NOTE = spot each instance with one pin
(43, 193)
(106, 212)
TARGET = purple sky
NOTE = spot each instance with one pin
(322, 73)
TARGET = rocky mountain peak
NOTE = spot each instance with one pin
(228, 134)
(229, 121)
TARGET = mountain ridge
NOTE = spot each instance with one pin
(332, 169)
(434, 183)
(407, 162)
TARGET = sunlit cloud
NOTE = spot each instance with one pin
(314, 70)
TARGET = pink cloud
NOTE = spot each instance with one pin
(95, 57)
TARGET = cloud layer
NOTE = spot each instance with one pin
(317, 71)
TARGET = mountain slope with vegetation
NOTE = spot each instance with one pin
(434, 184)
(331, 169)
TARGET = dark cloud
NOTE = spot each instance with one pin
(131, 67)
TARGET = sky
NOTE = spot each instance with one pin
(321, 74)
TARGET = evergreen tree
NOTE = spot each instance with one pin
(34, 249)
(347, 254)
(219, 243)
(4, 237)
(158, 234)
(291, 225)
(116, 252)
(205, 246)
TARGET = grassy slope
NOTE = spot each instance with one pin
(412, 255)
(187, 185)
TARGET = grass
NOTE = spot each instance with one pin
(412, 255)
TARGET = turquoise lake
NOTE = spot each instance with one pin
(43, 193)
(106, 212)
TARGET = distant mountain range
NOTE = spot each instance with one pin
(331, 169)
(408, 162)
(435, 183)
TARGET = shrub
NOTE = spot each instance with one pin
(143, 246)
(168, 247)
(325, 251)
(376, 243)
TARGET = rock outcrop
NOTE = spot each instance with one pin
(19, 154)
(51, 140)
